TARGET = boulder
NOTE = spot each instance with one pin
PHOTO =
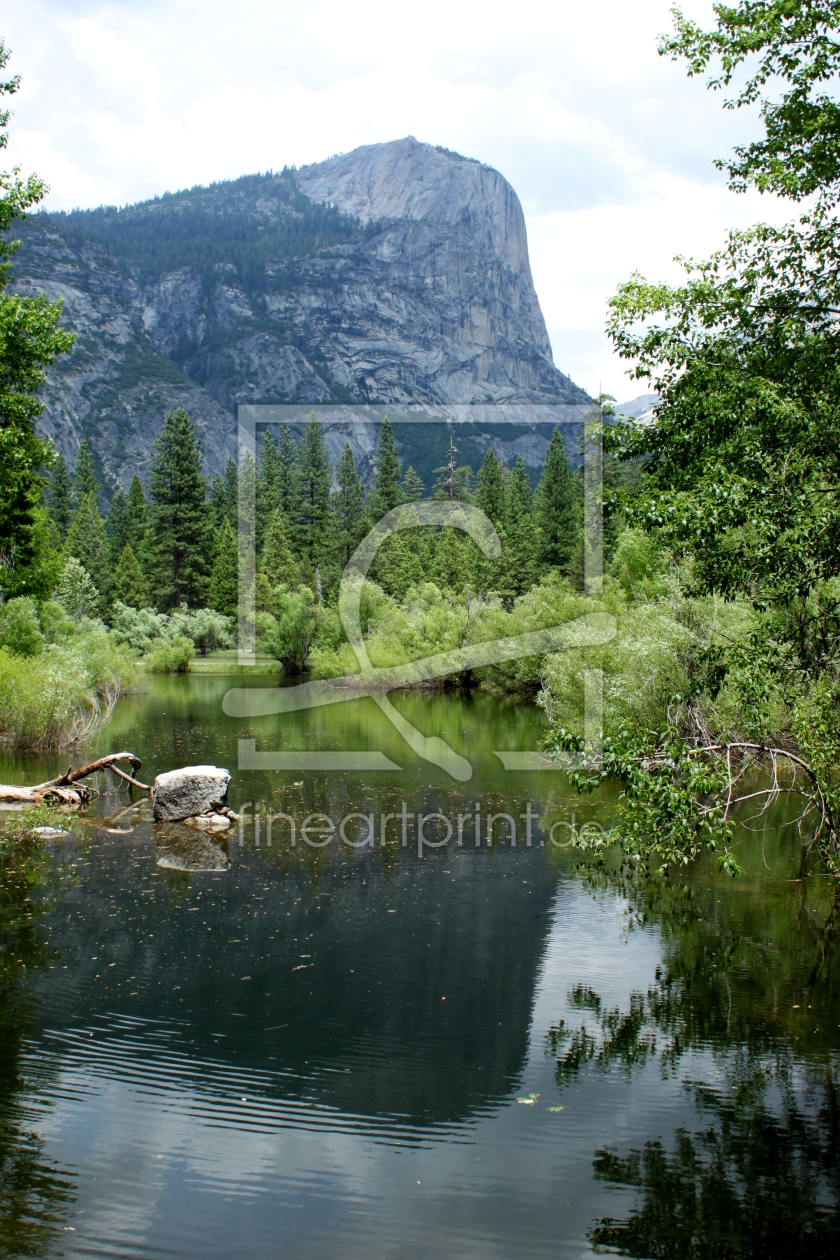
(192, 791)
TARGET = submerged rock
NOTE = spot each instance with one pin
(194, 790)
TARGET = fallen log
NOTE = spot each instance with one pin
(63, 788)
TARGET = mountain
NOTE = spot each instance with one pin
(397, 273)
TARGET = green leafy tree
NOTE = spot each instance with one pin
(291, 636)
(347, 509)
(314, 480)
(87, 542)
(129, 582)
(398, 566)
(116, 526)
(277, 561)
(84, 475)
(20, 629)
(413, 489)
(180, 518)
(77, 594)
(490, 490)
(557, 508)
(224, 581)
(30, 340)
(59, 497)
(268, 486)
(385, 491)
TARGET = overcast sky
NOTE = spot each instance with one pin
(609, 146)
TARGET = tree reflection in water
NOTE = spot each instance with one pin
(748, 981)
(34, 1194)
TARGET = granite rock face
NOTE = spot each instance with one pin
(189, 792)
(397, 273)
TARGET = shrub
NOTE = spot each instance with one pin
(206, 628)
(171, 656)
(20, 629)
(57, 627)
(289, 636)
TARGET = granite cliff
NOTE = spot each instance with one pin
(397, 273)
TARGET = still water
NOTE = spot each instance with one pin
(353, 1049)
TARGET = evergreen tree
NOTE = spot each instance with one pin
(87, 542)
(137, 517)
(180, 519)
(556, 504)
(84, 475)
(218, 503)
(315, 477)
(449, 561)
(30, 340)
(412, 486)
(224, 581)
(289, 484)
(398, 567)
(268, 486)
(77, 594)
(490, 491)
(519, 556)
(116, 527)
(231, 485)
(385, 491)
(59, 497)
(348, 510)
(129, 581)
(277, 561)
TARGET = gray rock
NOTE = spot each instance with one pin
(429, 298)
(192, 791)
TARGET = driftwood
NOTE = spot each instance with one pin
(63, 788)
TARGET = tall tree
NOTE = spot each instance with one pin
(224, 581)
(116, 526)
(84, 474)
(413, 488)
(137, 517)
(129, 581)
(314, 480)
(180, 517)
(490, 491)
(59, 496)
(87, 542)
(385, 490)
(288, 481)
(521, 539)
(557, 509)
(231, 485)
(268, 486)
(347, 509)
(276, 560)
(30, 340)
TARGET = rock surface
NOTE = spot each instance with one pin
(186, 793)
(416, 286)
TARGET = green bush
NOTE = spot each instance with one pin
(171, 656)
(289, 636)
(20, 629)
(64, 695)
(57, 627)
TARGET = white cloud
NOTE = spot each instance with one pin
(609, 146)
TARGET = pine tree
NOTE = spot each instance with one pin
(385, 491)
(519, 557)
(88, 543)
(224, 581)
(84, 475)
(556, 507)
(449, 561)
(59, 497)
(289, 483)
(413, 488)
(218, 503)
(490, 491)
(268, 486)
(314, 479)
(116, 527)
(231, 485)
(347, 510)
(137, 517)
(398, 567)
(180, 518)
(277, 561)
(129, 582)
(77, 594)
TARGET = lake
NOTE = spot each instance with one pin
(372, 1045)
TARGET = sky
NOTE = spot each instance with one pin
(610, 147)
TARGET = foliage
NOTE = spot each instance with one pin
(556, 508)
(385, 491)
(20, 629)
(288, 635)
(224, 580)
(171, 656)
(64, 695)
(276, 559)
(129, 581)
(314, 483)
(87, 542)
(30, 340)
(56, 626)
(180, 520)
(59, 496)
(84, 475)
(77, 594)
